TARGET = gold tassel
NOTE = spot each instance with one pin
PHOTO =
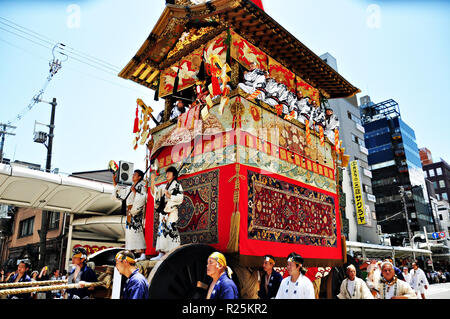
(233, 243)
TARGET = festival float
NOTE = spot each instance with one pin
(257, 158)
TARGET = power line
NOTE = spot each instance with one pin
(76, 69)
(52, 42)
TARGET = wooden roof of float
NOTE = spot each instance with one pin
(245, 18)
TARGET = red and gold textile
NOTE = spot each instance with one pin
(307, 90)
(245, 53)
(286, 213)
(186, 69)
(281, 74)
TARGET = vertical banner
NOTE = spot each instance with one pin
(359, 202)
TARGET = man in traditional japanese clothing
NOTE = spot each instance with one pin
(222, 286)
(136, 286)
(331, 123)
(80, 274)
(253, 78)
(271, 280)
(292, 102)
(282, 95)
(353, 287)
(136, 198)
(168, 197)
(390, 287)
(21, 276)
(319, 117)
(296, 286)
(304, 109)
(419, 281)
(269, 91)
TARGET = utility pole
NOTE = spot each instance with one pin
(4, 132)
(44, 222)
(405, 214)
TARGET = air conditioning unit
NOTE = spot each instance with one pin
(126, 170)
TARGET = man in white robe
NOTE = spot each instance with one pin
(253, 79)
(419, 280)
(168, 197)
(389, 287)
(135, 202)
(353, 287)
(296, 286)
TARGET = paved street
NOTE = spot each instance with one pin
(438, 291)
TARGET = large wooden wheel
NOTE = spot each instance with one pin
(180, 273)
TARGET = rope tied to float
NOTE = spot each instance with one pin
(31, 283)
(104, 280)
(18, 291)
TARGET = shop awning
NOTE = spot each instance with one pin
(372, 250)
(104, 228)
(25, 187)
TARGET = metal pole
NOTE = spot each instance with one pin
(4, 133)
(50, 137)
(44, 226)
(428, 246)
(405, 214)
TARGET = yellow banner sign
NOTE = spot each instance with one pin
(359, 202)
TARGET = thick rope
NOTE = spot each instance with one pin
(31, 283)
(50, 288)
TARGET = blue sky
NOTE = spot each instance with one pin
(388, 49)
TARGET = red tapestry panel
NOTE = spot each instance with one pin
(286, 213)
(198, 214)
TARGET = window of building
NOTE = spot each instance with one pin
(353, 117)
(438, 171)
(26, 227)
(444, 196)
(442, 183)
(53, 220)
(431, 173)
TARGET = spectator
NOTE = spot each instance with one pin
(55, 294)
(389, 287)
(419, 281)
(353, 287)
(2, 275)
(406, 275)
(21, 276)
(136, 286)
(43, 276)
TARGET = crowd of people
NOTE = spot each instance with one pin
(383, 280)
(23, 273)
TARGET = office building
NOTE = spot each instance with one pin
(395, 164)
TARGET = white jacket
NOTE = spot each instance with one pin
(137, 201)
(361, 290)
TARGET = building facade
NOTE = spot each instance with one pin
(395, 164)
(351, 132)
(24, 239)
(439, 175)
